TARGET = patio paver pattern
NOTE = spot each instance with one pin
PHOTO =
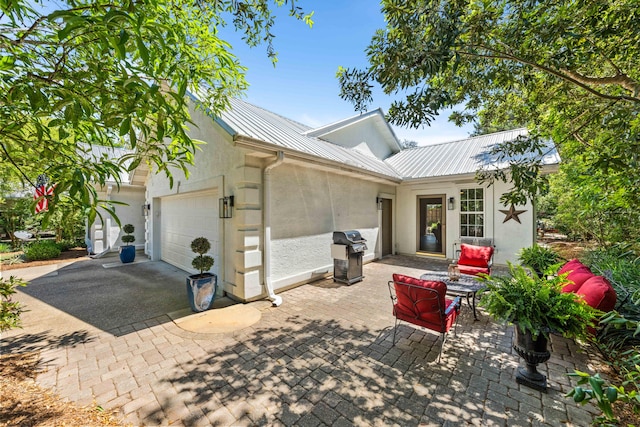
(324, 357)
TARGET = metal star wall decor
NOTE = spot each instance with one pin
(512, 213)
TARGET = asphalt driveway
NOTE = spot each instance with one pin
(100, 293)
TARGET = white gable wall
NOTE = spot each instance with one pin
(511, 236)
(362, 133)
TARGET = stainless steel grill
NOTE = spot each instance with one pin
(347, 251)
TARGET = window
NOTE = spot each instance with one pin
(472, 212)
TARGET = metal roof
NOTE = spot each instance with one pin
(248, 120)
(465, 156)
(461, 157)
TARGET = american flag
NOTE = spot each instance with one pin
(42, 193)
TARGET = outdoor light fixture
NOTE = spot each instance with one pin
(145, 209)
(379, 203)
(452, 203)
(225, 207)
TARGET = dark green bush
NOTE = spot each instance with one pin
(128, 237)
(64, 245)
(67, 244)
(621, 265)
(202, 262)
(10, 310)
(45, 249)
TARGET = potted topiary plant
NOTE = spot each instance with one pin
(128, 252)
(540, 259)
(201, 287)
(536, 306)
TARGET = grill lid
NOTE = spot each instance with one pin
(348, 237)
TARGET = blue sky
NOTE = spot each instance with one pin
(303, 85)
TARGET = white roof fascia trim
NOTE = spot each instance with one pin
(265, 147)
(439, 178)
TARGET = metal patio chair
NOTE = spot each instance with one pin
(423, 303)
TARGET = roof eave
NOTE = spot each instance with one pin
(269, 148)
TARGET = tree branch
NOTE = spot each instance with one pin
(619, 79)
(558, 73)
(8, 156)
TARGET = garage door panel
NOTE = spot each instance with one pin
(184, 218)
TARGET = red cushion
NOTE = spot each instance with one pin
(422, 307)
(476, 256)
(571, 265)
(598, 293)
(577, 277)
(474, 271)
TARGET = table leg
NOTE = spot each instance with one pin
(475, 316)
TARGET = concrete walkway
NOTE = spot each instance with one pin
(322, 358)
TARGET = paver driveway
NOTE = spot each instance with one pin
(322, 358)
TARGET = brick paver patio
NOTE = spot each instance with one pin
(322, 358)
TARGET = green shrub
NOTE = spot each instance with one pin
(10, 310)
(539, 258)
(42, 250)
(621, 265)
(128, 237)
(536, 304)
(593, 387)
(67, 244)
(4, 248)
(64, 245)
(202, 262)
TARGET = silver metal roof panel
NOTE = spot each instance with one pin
(465, 156)
(257, 123)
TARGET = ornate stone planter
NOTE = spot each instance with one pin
(533, 352)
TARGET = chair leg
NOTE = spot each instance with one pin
(444, 339)
(395, 326)
(455, 327)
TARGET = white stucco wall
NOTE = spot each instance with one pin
(508, 237)
(308, 206)
(213, 169)
(511, 236)
(105, 233)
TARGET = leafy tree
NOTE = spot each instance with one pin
(568, 70)
(17, 214)
(67, 221)
(77, 73)
(407, 143)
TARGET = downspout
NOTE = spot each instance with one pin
(276, 300)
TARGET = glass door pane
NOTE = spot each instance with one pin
(431, 224)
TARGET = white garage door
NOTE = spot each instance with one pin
(185, 217)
